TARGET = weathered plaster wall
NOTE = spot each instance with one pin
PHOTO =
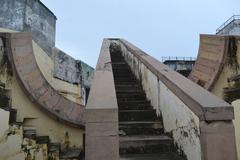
(31, 116)
(10, 143)
(14, 146)
(74, 71)
(66, 68)
(46, 65)
(49, 65)
(226, 73)
(87, 74)
(31, 16)
(178, 119)
(181, 122)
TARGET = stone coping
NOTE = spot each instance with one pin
(102, 94)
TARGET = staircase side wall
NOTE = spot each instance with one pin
(199, 122)
(178, 120)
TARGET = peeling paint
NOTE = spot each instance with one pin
(12, 144)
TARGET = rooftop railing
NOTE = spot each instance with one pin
(230, 20)
(178, 59)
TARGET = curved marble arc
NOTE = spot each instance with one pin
(20, 53)
(210, 61)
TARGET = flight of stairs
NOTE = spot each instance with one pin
(31, 142)
(141, 132)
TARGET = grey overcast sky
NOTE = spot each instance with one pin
(159, 27)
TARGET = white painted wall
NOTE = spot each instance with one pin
(181, 122)
(10, 144)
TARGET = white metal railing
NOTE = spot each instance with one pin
(230, 20)
(178, 59)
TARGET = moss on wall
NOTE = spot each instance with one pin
(232, 60)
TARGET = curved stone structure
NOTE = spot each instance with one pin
(20, 53)
(218, 59)
(210, 61)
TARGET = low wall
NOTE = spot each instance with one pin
(70, 70)
(102, 141)
(199, 122)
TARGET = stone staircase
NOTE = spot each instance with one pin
(141, 131)
(31, 142)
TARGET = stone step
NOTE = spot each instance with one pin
(141, 128)
(137, 115)
(139, 91)
(145, 144)
(162, 156)
(127, 90)
(134, 102)
(71, 153)
(119, 64)
(121, 68)
(13, 116)
(141, 95)
(130, 98)
(117, 59)
(42, 139)
(134, 105)
(128, 86)
(124, 80)
(123, 72)
(29, 133)
(123, 76)
(4, 101)
(54, 147)
(126, 83)
(141, 131)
